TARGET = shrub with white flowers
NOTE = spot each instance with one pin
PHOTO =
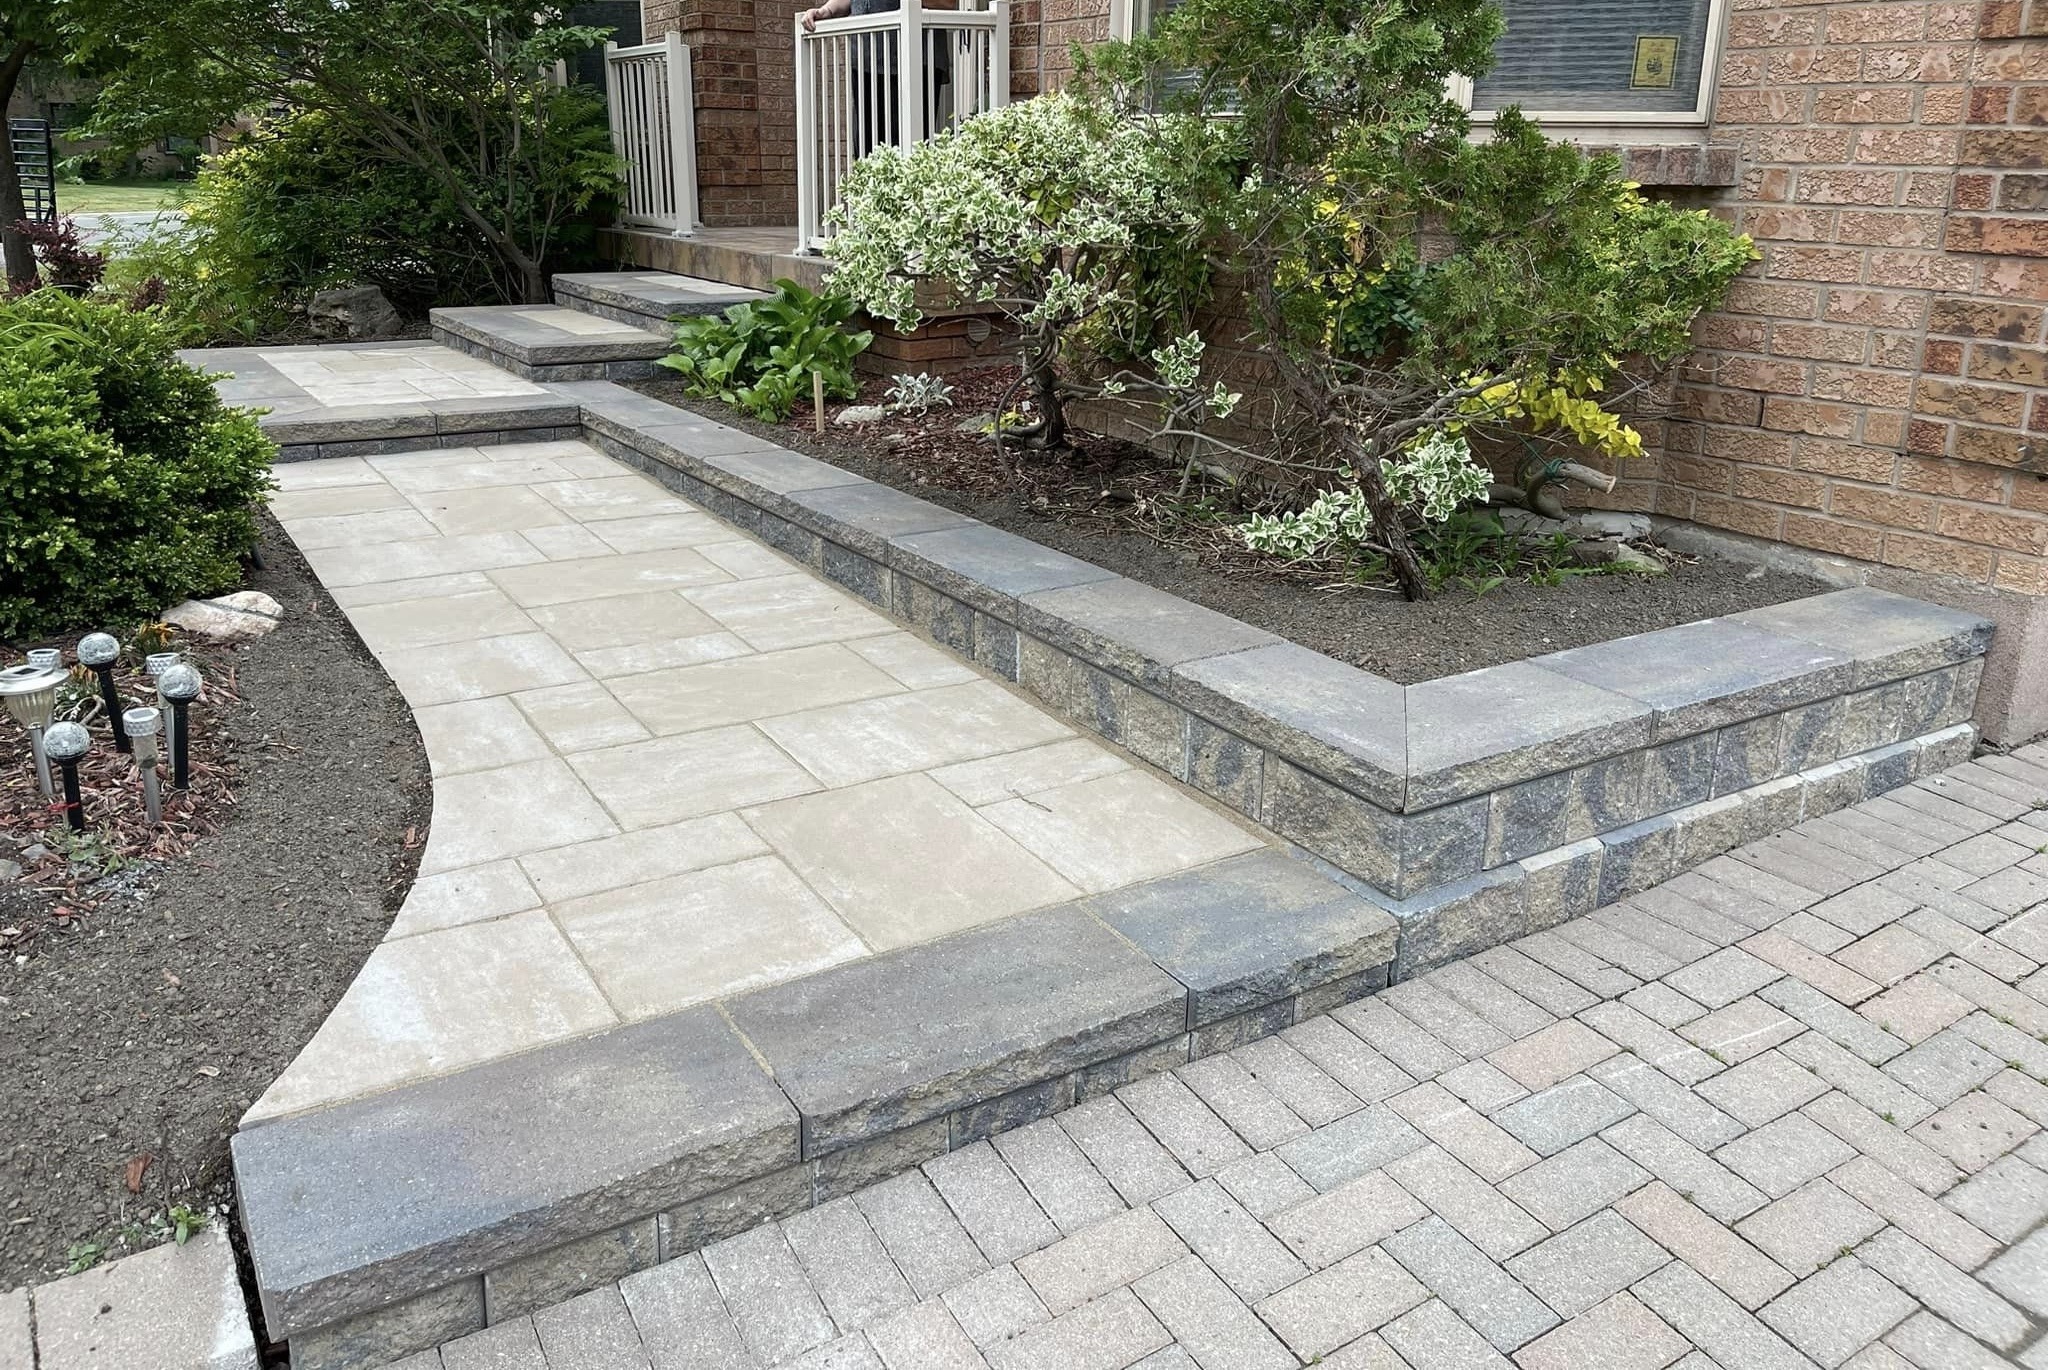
(1433, 478)
(1034, 208)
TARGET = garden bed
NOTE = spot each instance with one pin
(146, 1023)
(1113, 503)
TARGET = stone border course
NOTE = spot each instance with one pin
(630, 297)
(390, 1223)
(1464, 804)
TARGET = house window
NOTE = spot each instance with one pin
(1604, 61)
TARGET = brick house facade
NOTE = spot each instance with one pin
(1870, 401)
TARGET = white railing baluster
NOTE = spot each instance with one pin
(653, 122)
(863, 82)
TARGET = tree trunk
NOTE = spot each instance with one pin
(19, 260)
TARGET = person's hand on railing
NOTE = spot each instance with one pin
(831, 9)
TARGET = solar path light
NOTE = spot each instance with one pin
(141, 726)
(100, 651)
(155, 664)
(30, 693)
(66, 744)
(179, 686)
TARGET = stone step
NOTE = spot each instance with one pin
(396, 1221)
(550, 343)
(646, 299)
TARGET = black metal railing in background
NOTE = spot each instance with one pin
(35, 161)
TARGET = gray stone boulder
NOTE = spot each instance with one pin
(359, 313)
(240, 617)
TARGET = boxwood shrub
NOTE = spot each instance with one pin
(125, 484)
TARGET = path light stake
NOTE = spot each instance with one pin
(46, 659)
(30, 693)
(180, 685)
(156, 663)
(141, 725)
(818, 397)
(100, 651)
(66, 743)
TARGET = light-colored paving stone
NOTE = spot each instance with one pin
(1491, 1166)
(172, 1307)
(670, 764)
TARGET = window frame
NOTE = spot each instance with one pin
(1122, 13)
(1699, 116)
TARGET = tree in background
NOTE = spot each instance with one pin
(28, 32)
(455, 94)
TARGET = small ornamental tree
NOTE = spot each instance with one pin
(1040, 209)
(1413, 289)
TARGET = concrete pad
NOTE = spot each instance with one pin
(472, 670)
(664, 945)
(435, 619)
(477, 735)
(763, 686)
(653, 532)
(636, 858)
(356, 564)
(579, 718)
(1119, 829)
(509, 811)
(324, 475)
(1028, 772)
(434, 1003)
(873, 851)
(419, 478)
(490, 508)
(789, 611)
(366, 527)
(845, 744)
(169, 1308)
(624, 496)
(559, 582)
(469, 895)
(623, 620)
(328, 501)
(566, 542)
(915, 662)
(689, 775)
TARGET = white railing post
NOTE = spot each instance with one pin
(999, 57)
(910, 75)
(806, 143)
(682, 115)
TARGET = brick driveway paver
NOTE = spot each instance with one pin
(1785, 1111)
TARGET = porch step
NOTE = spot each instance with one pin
(646, 299)
(750, 257)
(549, 343)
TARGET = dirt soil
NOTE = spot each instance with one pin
(1107, 502)
(138, 1030)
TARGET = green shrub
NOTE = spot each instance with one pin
(760, 357)
(306, 203)
(125, 484)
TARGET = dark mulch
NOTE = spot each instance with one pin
(1117, 505)
(140, 1025)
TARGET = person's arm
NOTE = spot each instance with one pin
(831, 9)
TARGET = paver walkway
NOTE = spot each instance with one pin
(1783, 1111)
(671, 764)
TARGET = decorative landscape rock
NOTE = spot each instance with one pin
(855, 414)
(240, 617)
(359, 313)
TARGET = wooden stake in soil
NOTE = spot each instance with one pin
(818, 398)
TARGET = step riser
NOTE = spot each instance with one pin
(627, 369)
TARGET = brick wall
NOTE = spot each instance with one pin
(741, 61)
(1870, 388)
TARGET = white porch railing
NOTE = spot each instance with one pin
(853, 94)
(654, 127)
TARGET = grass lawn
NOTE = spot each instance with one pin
(118, 197)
